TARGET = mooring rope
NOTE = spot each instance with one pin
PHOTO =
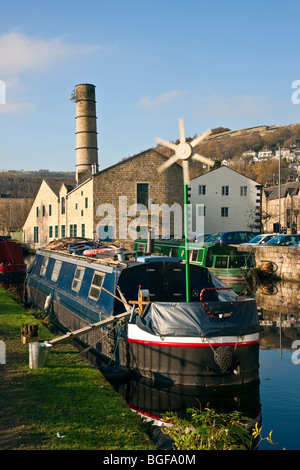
(92, 345)
(210, 289)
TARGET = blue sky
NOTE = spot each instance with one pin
(217, 63)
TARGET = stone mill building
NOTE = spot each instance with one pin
(101, 203)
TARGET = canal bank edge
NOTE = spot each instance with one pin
(285, 260)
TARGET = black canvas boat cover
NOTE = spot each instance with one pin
(192, 319)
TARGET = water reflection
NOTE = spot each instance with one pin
(153, 400)
(278, 308)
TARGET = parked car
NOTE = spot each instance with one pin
(236, 237)
(201, 237)
(210, 237)
(284, 240)
(260, 239)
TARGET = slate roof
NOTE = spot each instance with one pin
(291, 188)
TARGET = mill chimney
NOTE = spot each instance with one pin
(86, 132)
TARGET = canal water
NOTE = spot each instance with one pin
(274, 402)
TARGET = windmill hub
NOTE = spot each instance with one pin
(183, 151)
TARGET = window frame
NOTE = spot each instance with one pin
(44, 266)
(202, 190)
(55, 273)
(63, 205)
(78, 279)
(243, 191)
(225, 212)
(95, 286)
(225, 190)
(141, 200)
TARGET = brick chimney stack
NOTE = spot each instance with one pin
(86, 132)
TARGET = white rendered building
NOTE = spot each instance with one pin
(225, 200)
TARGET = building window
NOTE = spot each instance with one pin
(288, 218)
(202, 189)
(73, 230)
(244, 190)
(142, 194)
(77, 280)
(225, 190)
(201, 210)
(44, 211)
(63, 231)
(76, 205)
(56, 271)
(56, 231)
(35, 234)
(44, 266)
(83, 230)
(50, 231)
(50, 209)
(63, 205)
(86, 202)
(37, 211)
(96, 285)
(224, 211)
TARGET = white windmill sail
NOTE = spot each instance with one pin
(184, 151)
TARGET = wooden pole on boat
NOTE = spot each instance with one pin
(86, 329)
(118, 298)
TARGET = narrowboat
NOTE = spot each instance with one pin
(12, 265)
(225, 261)
(146, 326)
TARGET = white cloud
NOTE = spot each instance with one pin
(19, 52)
(166, 97)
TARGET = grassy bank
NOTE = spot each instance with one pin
(68, 397)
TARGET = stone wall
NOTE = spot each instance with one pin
(121, 181)
(279, 297)
(286, 260)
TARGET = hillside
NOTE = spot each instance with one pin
(225, 144)
(25, 184)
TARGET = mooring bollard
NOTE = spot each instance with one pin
(38, 354)
(29, 333)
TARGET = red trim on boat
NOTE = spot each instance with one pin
(149, 415)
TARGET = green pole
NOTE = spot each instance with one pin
(186, 254)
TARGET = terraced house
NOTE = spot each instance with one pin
(281, 205)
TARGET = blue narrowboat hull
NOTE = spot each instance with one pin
(168, 340)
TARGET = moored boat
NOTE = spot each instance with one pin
(154, 333)
(225, 261)
(12, 265)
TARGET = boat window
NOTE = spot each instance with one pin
(56, 270)
(44, 266)
(78, 276)
(194, 255)
(141, 247)
(96, 285)
(221, 261)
